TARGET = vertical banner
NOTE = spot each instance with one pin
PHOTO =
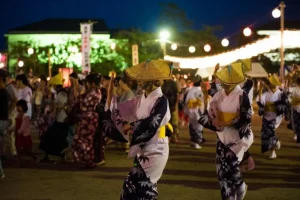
(135, 55)
(86, 31)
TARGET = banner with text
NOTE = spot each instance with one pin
(86, 31)
(135, 55)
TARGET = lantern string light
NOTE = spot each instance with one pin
(248, 51)
(203, 43)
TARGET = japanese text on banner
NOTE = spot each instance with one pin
(86, 31)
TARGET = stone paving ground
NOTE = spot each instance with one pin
(190, 174)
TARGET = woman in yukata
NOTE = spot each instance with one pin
(247, 86)
(83, 148)
(296, 110)
(230, 116)
(195, 105)
(24, 92)
(146, 117)
(272, 106)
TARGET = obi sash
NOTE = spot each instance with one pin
(162, 131)
(270, 107)
(296, 101)
(194, 103)
(226, 118)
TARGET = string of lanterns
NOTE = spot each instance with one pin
(276, 13)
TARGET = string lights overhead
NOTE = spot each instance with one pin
(250, 50)
(247, 32)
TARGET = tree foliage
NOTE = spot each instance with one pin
(103, 58)
(173, 17)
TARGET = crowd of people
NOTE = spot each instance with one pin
(141, 111)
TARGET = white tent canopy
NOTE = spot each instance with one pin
(257, 71)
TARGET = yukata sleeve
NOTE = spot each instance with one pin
(117, 116)
(213, 90)
(243, 122)
(261, 105)
(247, 86)
(208, 116)
(282, 105)
(243, 125)
(145, 129)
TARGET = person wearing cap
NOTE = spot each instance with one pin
(194, 107)
(272, 106)
(146, 117)
(230, 116)
(4, 105)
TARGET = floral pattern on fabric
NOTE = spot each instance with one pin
(228, 171)
(145, 129)
(268, 135)
(243, 122)
(247, 86)
(296, 119)
(137, 185)
(82, 144)
(110, 129)
(282, 105)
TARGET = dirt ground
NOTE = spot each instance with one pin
(190, 174)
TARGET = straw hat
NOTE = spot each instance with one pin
(232, 74)
(247, 65)
(150, 70)
(56, 80)
(274, 80)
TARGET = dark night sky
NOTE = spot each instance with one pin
(233, 15)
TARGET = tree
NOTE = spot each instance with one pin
(149, 47)
(103, 59)
(173, 17)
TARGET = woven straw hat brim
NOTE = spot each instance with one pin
(56, 80)
(274, 80)
(150, 71)
(247, 65)
(233, 76)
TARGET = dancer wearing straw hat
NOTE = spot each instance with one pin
(230, 116)
(295, 116)
(146, 117)
(272, 106)
(194, 106)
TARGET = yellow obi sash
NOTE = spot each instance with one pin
(296, 101)
(226, 118)
(194, 103)
(270, 107)
(162, 131)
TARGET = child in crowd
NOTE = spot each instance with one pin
(23, 135)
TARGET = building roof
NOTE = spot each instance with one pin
(275, 25)
(56, 25)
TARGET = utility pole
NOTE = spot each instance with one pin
(282, 6)
(49, 63)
